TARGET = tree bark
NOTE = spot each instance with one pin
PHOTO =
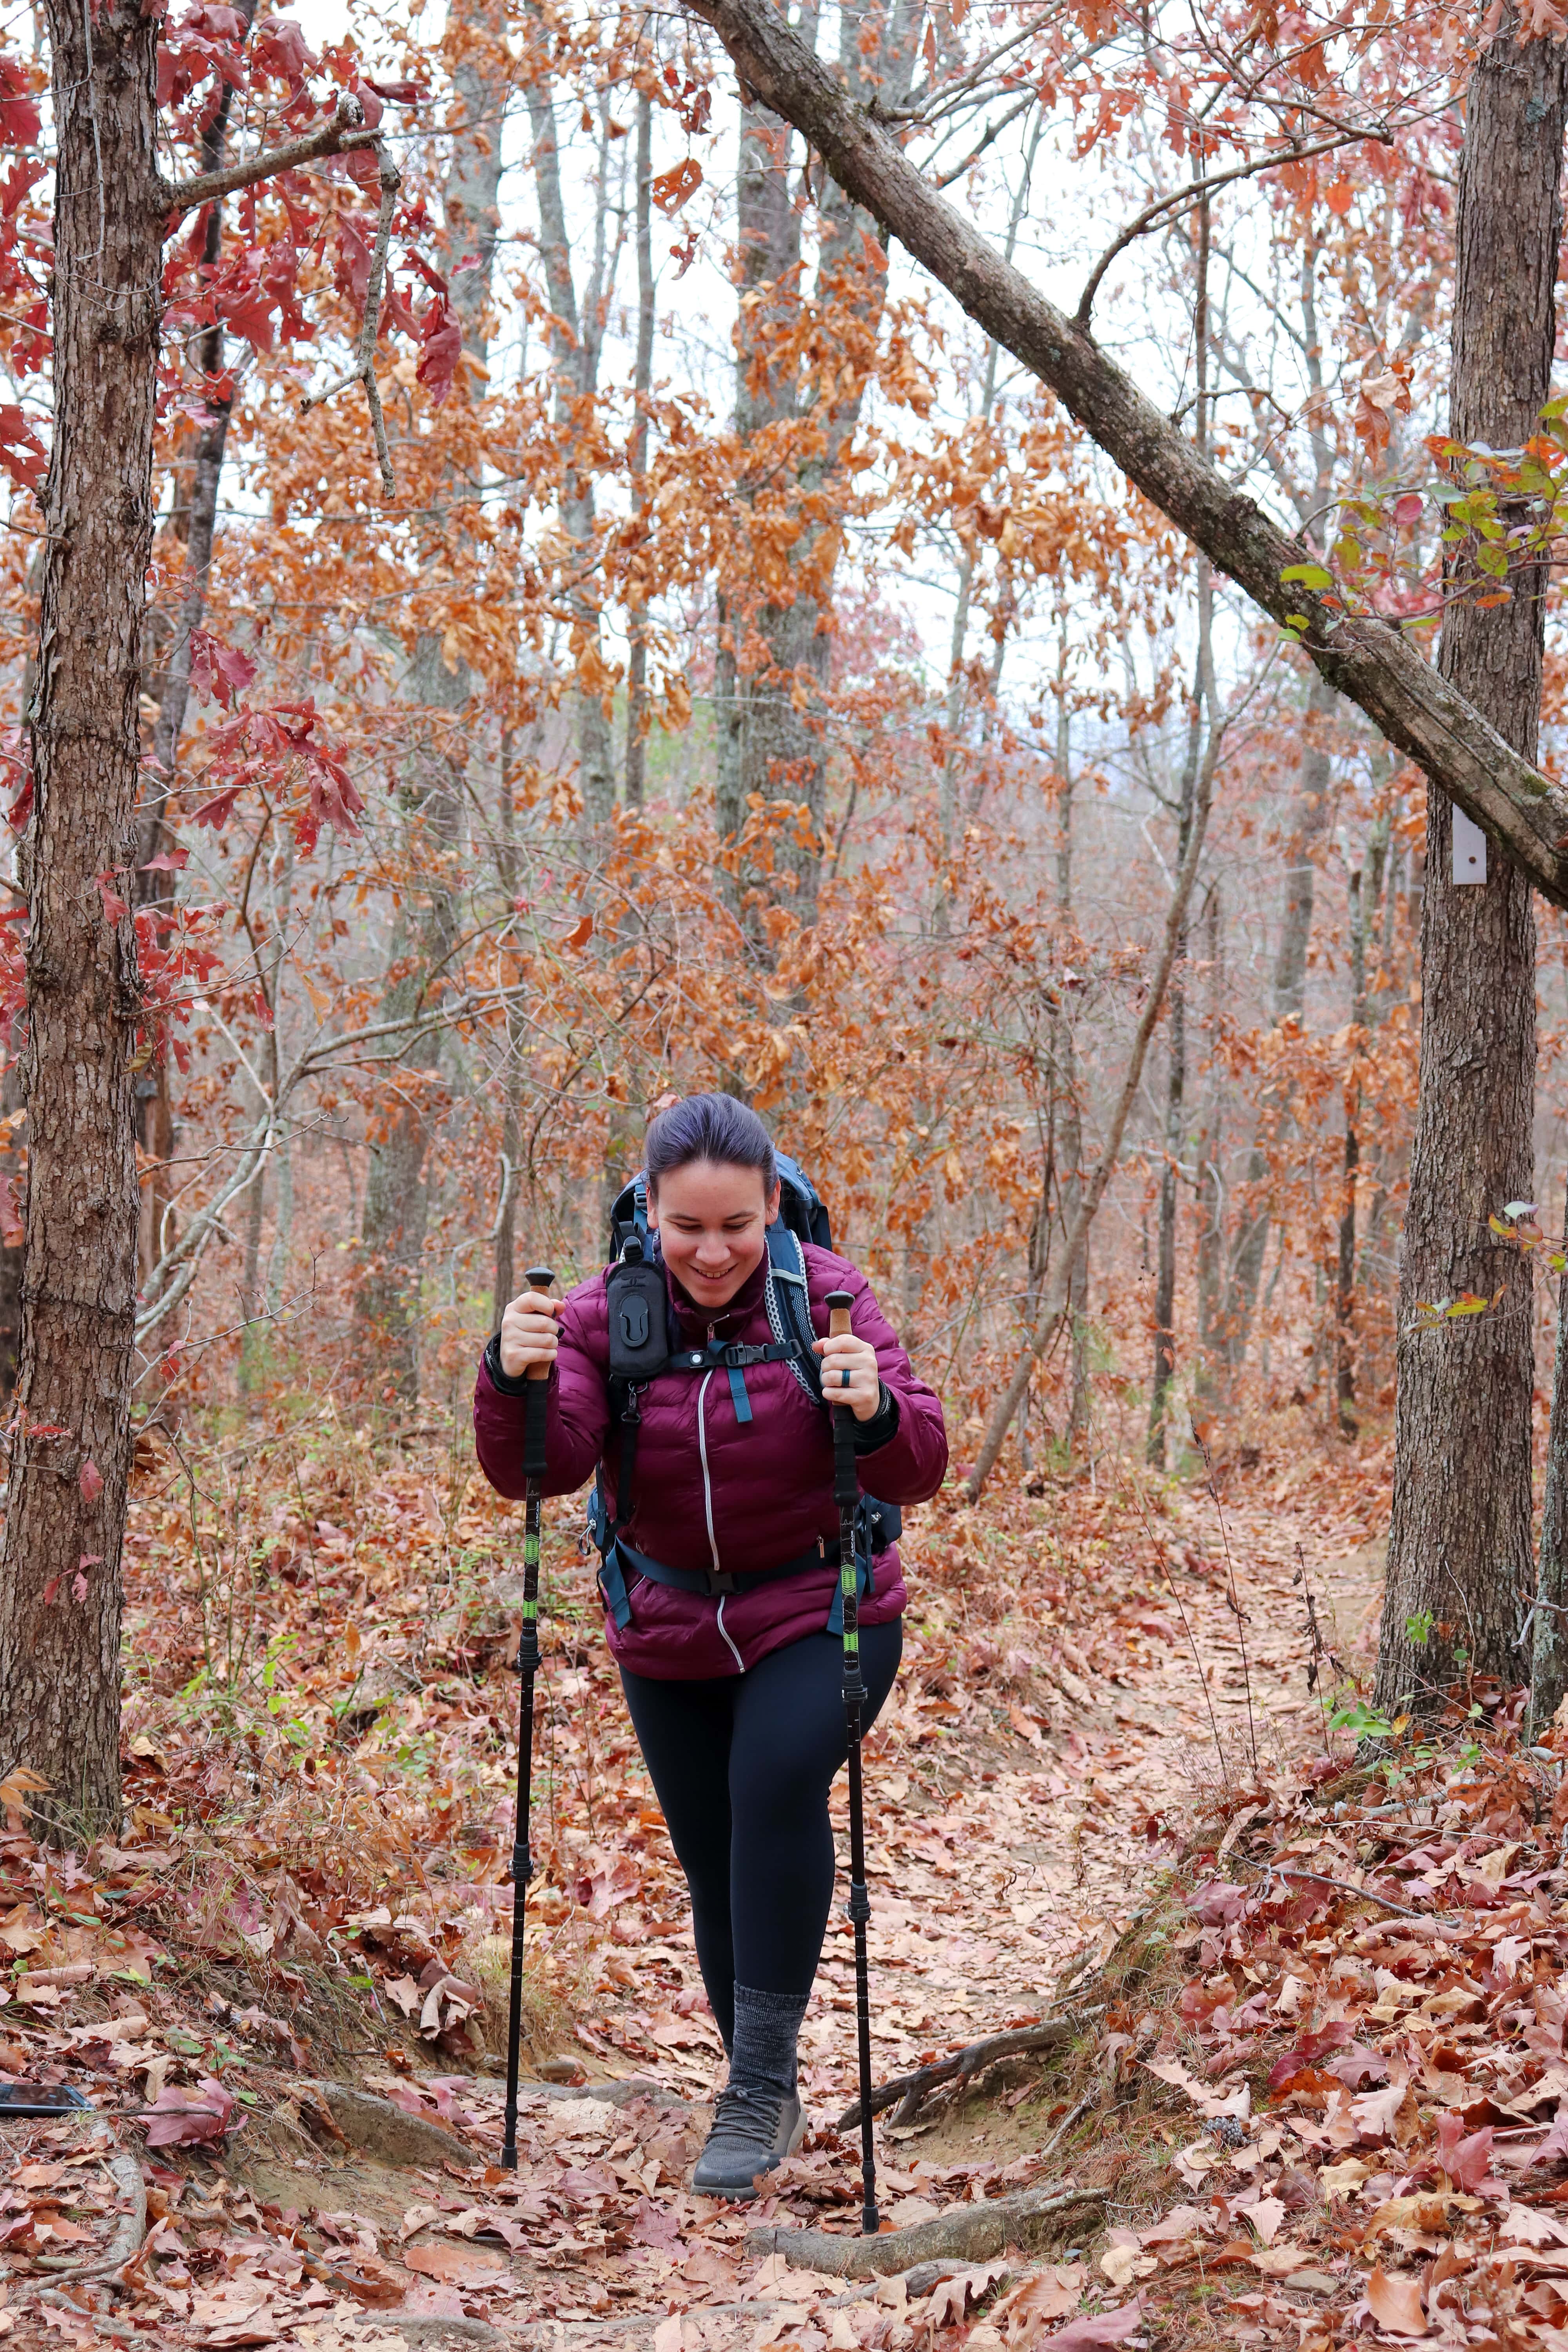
(1459, 1566)
(1423, 712)
(1288, 997)
(642, 389)
(1549, 1662)
(770, 684)
(60, 1561)
(1344, 1300)
(155, 886)
(577, 337)
(388, 1318)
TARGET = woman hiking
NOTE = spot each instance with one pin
(720, 1583)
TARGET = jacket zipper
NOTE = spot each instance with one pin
(707, 1507)
(706, 1483)
(740, 1662)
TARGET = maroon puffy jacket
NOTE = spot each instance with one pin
(709, 1490)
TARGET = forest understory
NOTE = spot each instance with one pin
(1282, 2044)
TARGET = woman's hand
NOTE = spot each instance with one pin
(845, 1353)
(527, 1333)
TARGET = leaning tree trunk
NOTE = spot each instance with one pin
(60, 1562)
(1460, 1552)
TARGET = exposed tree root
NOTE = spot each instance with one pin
(973, 2233)
(906, 2090)
(126, 2174)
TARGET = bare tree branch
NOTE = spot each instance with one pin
(1364, 657)
(340, 136)
(1194, 191)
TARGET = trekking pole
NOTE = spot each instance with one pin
(847, 1495)
(535, 1407)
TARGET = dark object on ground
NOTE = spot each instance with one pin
(41, 2099)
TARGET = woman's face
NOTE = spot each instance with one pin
(712, 1224)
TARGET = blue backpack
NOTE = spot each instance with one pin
(642, 1350)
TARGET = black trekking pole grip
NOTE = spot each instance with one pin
(847, 1495)
(536, 1406)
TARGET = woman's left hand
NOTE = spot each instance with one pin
(863, 1390)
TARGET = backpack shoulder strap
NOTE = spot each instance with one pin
(789, 1306)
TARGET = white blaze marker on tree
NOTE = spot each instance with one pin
(1469, 849)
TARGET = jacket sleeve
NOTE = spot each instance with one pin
(578, 1414)
(911, 1465)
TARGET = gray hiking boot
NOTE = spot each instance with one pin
(754, 2129)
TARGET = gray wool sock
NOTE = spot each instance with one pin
(767, 2027)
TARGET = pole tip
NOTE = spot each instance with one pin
(871, 2223)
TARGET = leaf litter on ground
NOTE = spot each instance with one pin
(1331, 2097)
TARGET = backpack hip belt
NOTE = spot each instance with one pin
(619, 1556)
(717, 1584)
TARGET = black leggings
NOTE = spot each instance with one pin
(742, 1766)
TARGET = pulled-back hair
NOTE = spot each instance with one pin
(709, 1127)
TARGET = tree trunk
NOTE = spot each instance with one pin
(1209, 1252)
(155, 886)
(388, 1311)
(1164, 1334)
(1176, 1080)
(1549, 1663)
(577, 337)
(1459, 1543)
(1288, 995)
(769, 687)
(1344, 1302)
(642, 389)
(60, 1562)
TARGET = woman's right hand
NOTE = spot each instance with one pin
(529, 1335)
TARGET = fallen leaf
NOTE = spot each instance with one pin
(1106, 2328)
(1266, 2217)
(455, 2265)
(178, 2119)
(1396, 2304)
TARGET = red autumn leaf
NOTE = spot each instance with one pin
(114, 905)
(22, 454)
(20, 122)
(279, 47)
(218, 672)
(582, 931)
(670, 189)
(1340, 198)
(1467, 2161)
(440, 346)
(184, 2119)
(90, 1478)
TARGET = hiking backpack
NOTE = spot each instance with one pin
(641, 1350)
